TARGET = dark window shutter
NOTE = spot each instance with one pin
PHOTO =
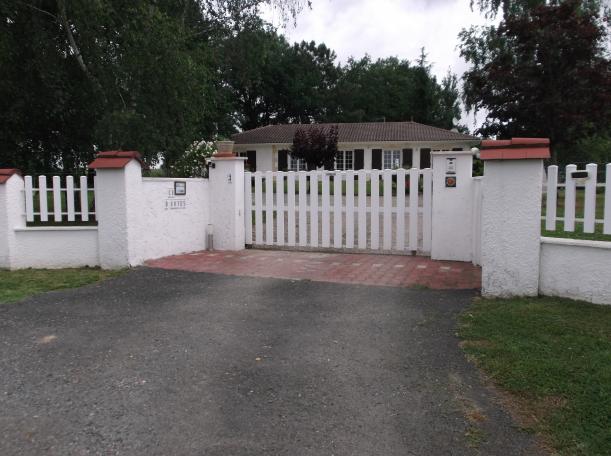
(376, 159)
(359, 159)
(425, 158)
(283, 160)
(407, 158)
(251, 160)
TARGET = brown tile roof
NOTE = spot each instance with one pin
(354, 132)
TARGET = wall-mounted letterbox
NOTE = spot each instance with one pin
(450, 172)
(580, 174)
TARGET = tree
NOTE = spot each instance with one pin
(394, 90)
(81, 76)
(541, 73)
(316, 146)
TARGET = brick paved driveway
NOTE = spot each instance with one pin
(365, 269)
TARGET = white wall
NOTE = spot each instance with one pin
(61, 247)
(576, 269)
(136, 222)
(452, 208)
(40, 247)
(11, 209)
(511, 227)
(164, 230)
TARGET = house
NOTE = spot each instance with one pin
(371, 145)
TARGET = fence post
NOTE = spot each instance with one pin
(12, 210)
(227, 201)
(452, 205)
(511, 215)
(117, 198)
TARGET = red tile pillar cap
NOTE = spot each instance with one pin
(116, 159)
(515, 149)
(6, 173)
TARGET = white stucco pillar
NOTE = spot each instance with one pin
(227, 202)
(452, 205)
(416, 157)
(118, 208)
(12, 210)
(511, 216)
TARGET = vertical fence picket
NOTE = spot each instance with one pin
(607, 213)
(280, 208)
(303, 203)
(551, 201)
(57, 199)
(414, 178)
(375, 209)
(387, 211)
(290, 195)
(258, 208)
(313, 209)
(362, 210)
(326, 211)
(569, 199)
(589, 213)
(84, 197)
(350, 209)
(269, 208)
(427, 209)
(42, 198)
(337, 210)
(400, 220)
(248, 207)
(70, 198)
(29, 199)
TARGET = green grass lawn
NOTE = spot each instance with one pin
(579, 213)
(15, 285)
(553, 357)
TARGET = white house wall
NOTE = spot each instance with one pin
(267, 153)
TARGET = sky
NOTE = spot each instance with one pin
(384, 28)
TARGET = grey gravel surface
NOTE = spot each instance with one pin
(159, 362)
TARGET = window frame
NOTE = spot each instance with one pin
(300, 164)
(395, 157)
(341, 160)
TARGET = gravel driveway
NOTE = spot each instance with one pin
(159, 362)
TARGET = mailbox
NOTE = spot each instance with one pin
(580, 174)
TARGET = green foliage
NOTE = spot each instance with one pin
(554, 356)
(542, 73)
(316, 146)
(395, 90)
(81, 76)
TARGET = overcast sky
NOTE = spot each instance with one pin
(383, 28)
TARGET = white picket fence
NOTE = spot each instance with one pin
(342, 210)
(69, 203)
(578, 185)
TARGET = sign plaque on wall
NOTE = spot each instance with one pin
(180, 188)
(172, 201)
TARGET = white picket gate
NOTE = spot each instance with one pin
(340, 210)
(578, 187)
(61, 203)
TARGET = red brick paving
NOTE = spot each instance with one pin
(366, 269)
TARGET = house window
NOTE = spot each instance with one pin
(297, 164)
(391, 159)
(344, 160)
